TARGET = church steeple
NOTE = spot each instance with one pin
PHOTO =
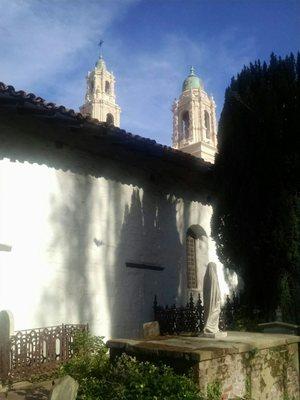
(100, 98)
(194, 120)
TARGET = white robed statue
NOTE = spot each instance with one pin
(212, 302)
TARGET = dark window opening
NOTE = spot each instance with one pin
(207, 124)
(186, 124)
(191, 263)
(195, 236)
(110, 119)
(107, 87)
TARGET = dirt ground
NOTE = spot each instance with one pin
(27, 391)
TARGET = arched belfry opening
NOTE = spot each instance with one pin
(196, 257)
(110, 118)
(107, 87)
(185, 124)
(207, 124)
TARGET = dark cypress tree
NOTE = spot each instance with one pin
(256, 221)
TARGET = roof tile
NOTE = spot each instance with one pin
(8, 92)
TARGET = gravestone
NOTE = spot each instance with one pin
(6, 330)
(279, 327)
(6, 323)
(65, 389)
(151, 329)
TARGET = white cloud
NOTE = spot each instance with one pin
(42, 40)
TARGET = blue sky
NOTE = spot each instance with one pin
(47, 47)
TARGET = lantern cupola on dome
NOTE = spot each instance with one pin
(192, 81)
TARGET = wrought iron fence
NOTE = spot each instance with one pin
(190, 319)
(39, 351)
(174, 320)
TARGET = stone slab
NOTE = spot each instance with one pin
(202, 348)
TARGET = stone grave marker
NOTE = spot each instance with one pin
(65, 389)
(151, 329)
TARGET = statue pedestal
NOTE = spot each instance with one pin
(265, 364)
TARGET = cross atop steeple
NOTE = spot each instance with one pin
(100, 45)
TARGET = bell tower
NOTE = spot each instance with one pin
(100, 99)
(194, 120)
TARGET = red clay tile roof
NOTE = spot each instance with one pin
(171, 170)
(36, 104)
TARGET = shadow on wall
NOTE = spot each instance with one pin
(69, 298)
(148, 237)
(146, 233)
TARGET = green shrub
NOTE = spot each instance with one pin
(126, 378)
(129, 379)
(90, 357)
(214, 391)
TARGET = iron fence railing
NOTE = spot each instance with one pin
(175, 320)
(38, 351)
(190, 318)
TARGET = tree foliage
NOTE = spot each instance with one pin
(256, 221)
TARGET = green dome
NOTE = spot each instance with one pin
(192, 81)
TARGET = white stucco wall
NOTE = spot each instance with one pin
(71, 235)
